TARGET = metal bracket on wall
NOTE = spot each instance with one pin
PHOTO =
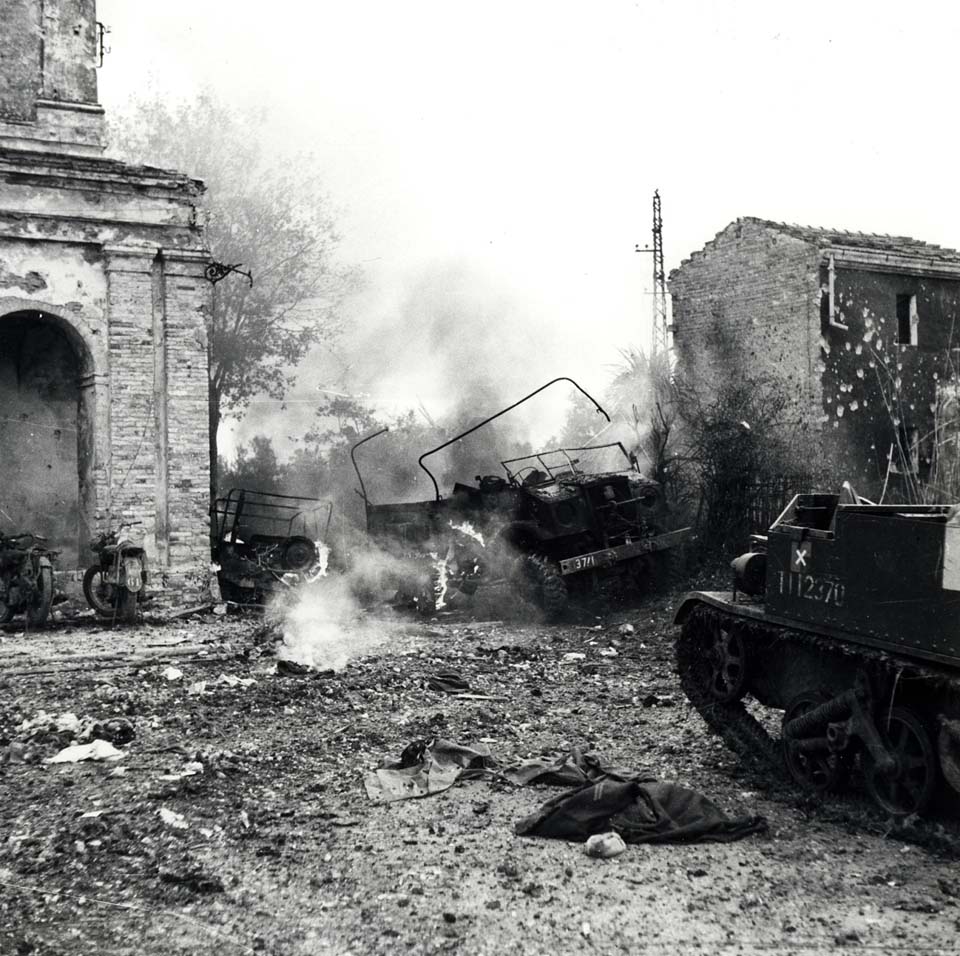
(102, 48)
(216, 271)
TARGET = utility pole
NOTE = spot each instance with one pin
(662, 342)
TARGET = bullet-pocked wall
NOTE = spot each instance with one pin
(103, 315)
(861, 331)
(885, 359)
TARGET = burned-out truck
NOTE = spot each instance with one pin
(550, 526)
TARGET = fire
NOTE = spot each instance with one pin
(323, 560)
(469, 530)
(440, 588)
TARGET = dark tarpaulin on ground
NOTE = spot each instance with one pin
(641, 809)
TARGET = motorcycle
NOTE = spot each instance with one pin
(116, 584)
(26, 578)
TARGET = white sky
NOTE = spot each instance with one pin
(525, 139)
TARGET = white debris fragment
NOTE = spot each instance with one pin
(176, 820)
(171, 673)
(604, 845)
(95, 750)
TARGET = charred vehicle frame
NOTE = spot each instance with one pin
(548, 527)
(267, 542)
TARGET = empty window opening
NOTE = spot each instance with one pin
(906, 455)
(908, 322)
(830, 314)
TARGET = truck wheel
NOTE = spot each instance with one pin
(542, 584)
(37, 615)
(299, 554)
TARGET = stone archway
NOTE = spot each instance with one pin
(47, 432)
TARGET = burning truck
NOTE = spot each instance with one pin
(554, 524)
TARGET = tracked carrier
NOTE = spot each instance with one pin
(845, 617)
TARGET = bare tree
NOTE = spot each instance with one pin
(266, 211)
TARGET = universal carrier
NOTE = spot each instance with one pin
(846, 617)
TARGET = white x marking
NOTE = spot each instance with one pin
(801, 558)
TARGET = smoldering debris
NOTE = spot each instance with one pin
(327, 622)
(324, 626)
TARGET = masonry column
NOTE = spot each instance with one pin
(134, 481)
(186, 311)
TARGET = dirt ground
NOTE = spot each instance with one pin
(237, 820)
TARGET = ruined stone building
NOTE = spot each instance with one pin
(860, 331)
(103, 305)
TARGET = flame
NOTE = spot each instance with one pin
(440, 588)
(469, 530)
(323, 560)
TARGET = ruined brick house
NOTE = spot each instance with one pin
(103, 304)
(859, 330)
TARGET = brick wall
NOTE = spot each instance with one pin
(748, 303)
(186, 308)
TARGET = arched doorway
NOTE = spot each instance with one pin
(45, 445)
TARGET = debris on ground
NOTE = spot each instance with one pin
(176, 820)
(95, 750)
(425, 768)
(284, 852)
(448, 682)
(640, 808)
(641, 811)
(603, 846)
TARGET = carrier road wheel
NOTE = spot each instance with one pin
(911, 786)
(541, 584)
(740, 730)
(814, 769)
(728, 663)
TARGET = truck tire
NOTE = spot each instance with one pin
(299, 554)
(542, 584)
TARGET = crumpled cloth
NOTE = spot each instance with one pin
(425, 768)
(449, 682)
(572, 769)
(600, 798)
(641, 811)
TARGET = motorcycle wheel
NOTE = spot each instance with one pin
(127, 606)
(100, 595)
(37, 614)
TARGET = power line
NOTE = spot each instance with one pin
(662, 340)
